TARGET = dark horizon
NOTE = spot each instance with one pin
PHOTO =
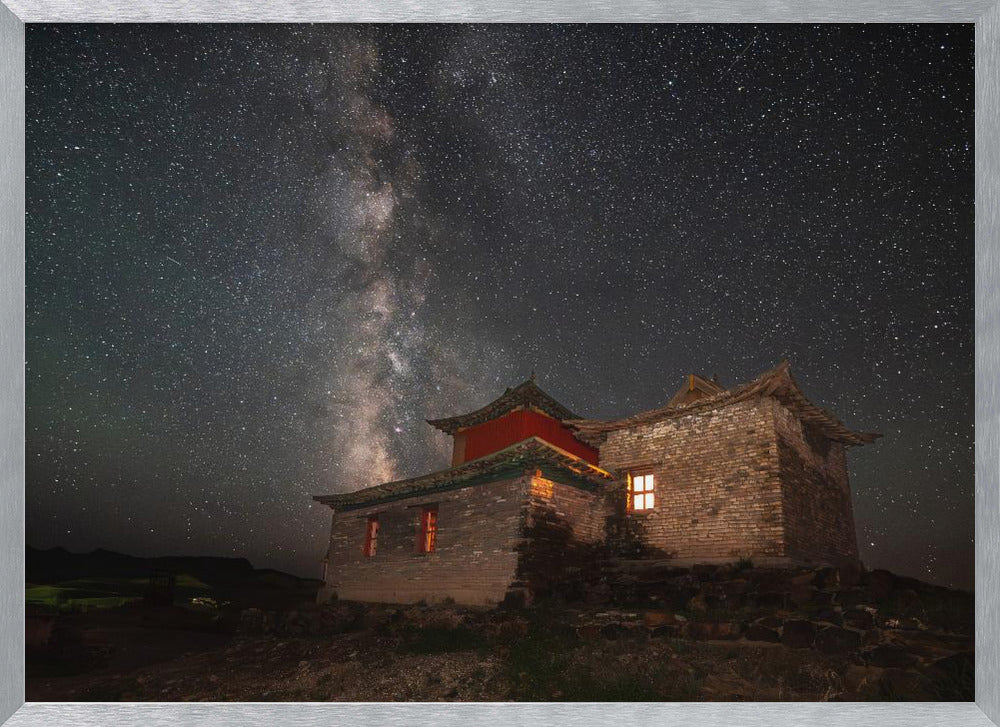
(258, 257)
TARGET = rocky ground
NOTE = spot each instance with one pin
(710, 634)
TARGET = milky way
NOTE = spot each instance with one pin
(260, 256)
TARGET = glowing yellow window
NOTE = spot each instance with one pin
(641, 493)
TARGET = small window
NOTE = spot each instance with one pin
(371, 536)
(428, 530)
(641, 492)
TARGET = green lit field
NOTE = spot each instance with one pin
(106, 592)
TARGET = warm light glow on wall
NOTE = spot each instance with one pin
(541, 487)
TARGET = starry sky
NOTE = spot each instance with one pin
(260, 256)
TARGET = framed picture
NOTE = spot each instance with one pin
(536, 136)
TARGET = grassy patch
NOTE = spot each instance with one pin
(85, 593)
(441, 639)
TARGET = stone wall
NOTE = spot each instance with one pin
(517, 538)
(475, 560)
(816, 503)
(563, 531)
(717, 492)
(743, 481)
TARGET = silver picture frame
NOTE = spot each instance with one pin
(985, 14)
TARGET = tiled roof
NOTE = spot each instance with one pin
(514, 461)
(777, 383)
(524, 394)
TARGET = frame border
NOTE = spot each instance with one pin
(986, 16)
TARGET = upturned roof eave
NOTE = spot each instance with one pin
(525, 393)
(777, 383)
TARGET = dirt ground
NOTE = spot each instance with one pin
(427, 654)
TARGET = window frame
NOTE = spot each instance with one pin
(370, 548)
(427, 539)
(647, 493)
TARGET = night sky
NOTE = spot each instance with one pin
(260, 256)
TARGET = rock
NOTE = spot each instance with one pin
(758, 632)
(771, 622)
(837, 641)
(770, 600)
(698, 603)
(713, 630)
(652, 619)
(828, 615)
(871, 637)
(666, 631)
(822, 598)
(798, 634)
(802, 594)
(803, 579)
(889, 656)
(827, 578)
(858, 619)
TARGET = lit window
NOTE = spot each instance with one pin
(371, 536)
(641, 492)
(428, 529)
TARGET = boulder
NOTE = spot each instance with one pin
(827, 578)
(802, 594)
(666, 632)
(698, 603)
(713, 630)
(858, 619)
(828, 615)
(889, 656)
(837, 641)
(798, 634)
(652, 619)
(758, 632)
(769, 600)
(771, 622)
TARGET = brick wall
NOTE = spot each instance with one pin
(475, 560)
(520, 537)
(745, 480)
(717, 492)
(563, 531)
(818, 516)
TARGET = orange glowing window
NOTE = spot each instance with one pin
(428, 530)
(371, 536)
(641, 493)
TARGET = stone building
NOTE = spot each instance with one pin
(535, 495)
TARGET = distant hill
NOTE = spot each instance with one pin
(229, 579)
